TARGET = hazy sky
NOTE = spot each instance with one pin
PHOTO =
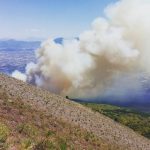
(33, 19)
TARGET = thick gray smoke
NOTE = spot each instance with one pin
(112, 54)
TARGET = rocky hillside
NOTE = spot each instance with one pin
(32, 118)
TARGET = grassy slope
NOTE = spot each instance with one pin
(26, 109)
(24, 128)
(139, 122)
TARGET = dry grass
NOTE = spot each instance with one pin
(22, 127)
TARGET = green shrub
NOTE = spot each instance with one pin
(28, 130)
(62, 144)
(26, 143)
(4, 132)
(50, 133)
(44, 145)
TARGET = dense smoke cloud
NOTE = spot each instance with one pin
(112, 54)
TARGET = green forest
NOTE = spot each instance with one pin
(138, 121)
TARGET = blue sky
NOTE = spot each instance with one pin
(33, 19)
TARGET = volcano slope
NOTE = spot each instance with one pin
(32, 118)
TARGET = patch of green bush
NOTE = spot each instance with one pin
(45, 145)
(26, 143)
(4, 132)
(62, 144)
(27, 129)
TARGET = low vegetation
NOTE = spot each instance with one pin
(138, 121)
(35, 119)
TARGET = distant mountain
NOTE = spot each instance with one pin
(59, 40)
(14, 44)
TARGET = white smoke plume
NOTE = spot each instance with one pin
(116, 45)
(17, 74)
